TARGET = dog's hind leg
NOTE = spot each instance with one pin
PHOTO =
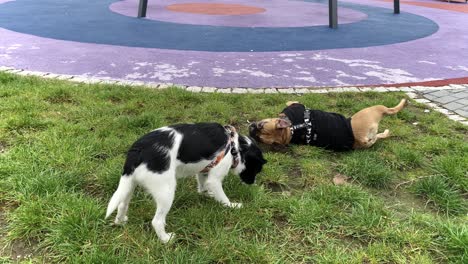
(162, 187)
(373, 138)
(365, 124)
(121, 199)
(384, 134)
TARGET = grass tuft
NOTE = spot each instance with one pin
(438, 191)
(367, 168)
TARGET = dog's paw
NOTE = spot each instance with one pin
(235, 205)
(208, 193)
(167, 238)
(121, 220)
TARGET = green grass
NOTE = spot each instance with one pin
(62, 148)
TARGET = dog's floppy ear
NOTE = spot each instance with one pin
(283, 123)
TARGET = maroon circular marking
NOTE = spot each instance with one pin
(215, 9)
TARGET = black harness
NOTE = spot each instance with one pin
(319, 128)
(310, 131)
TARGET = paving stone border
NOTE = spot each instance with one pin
(455, 100)
(414, 92)
(439, 106)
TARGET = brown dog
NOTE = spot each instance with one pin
(299, 125)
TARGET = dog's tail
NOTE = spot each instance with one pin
(396, 109)
(123, 193)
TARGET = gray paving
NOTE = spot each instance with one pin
(455, 100)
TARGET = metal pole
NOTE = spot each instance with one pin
(142, 8)
(396, 6)
(333, 13)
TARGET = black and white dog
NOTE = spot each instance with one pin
(207, 150)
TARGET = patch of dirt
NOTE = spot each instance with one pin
(275, 148)
(114, 99)
(101, 156)
(275, 186)
(295, 180)
(17, 250)
(402, 200)
(3, 147)
(340, 179)
(20, 250)
(61, 99)
(280, 219)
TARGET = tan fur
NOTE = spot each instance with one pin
(288, 103)
(365, 125)
(271, 134)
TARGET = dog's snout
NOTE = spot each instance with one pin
(252, 127)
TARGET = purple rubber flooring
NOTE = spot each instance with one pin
(442, 55)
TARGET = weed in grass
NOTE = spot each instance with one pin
(61, 96)
(329, 204)
(438, 192)
(405, 157)
(454, 237)
(455, 169)
(26, 123)
(450, 236)
(433, 146)
(367, 168)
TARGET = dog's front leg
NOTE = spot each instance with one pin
(214, 185)
(201, 182)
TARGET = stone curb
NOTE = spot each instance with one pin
(411, 91)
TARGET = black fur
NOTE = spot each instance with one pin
(333, 131)
(200, 141)
(150, 149)
(252, 156)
